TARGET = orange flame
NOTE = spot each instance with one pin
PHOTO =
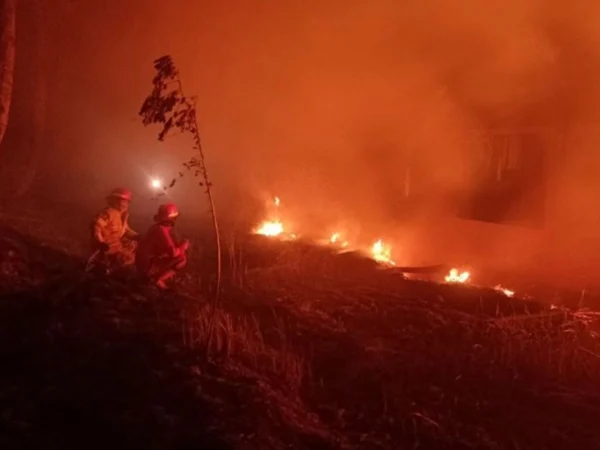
(273, 227)
(335, 240)
(270, 228)
(382, 253)
(505, 291)
(379, 251)
(457, 277)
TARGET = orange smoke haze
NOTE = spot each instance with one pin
(327, 103)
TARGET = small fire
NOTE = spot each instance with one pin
(457, 277)
(505, 291)
(270, 228)
(379, 251)
(382, 253)
(335, 240)
(274, 226)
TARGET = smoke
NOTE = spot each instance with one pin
(331, 105)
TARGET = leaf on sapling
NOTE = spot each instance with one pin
(167, 126)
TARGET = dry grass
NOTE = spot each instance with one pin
(558, 342)
(398, 361)
(237, 268)
(390, 363)
(562, 344)
(239, 340)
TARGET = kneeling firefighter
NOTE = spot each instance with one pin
(112, 237)
(159, 256)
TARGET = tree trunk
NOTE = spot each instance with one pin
(36, 137)
(8, 9)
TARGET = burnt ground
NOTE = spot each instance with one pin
(311, 350)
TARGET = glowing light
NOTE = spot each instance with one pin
(382, 253)
(457, 277)
(270, 228)
(335, 240)
(155, 183)
(379, 251)
(505, 291)
(274, 227)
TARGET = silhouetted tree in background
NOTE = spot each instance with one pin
(8, 10)
(37, 71)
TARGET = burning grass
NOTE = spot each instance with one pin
(455, 276)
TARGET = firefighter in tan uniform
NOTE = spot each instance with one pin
(111, 234)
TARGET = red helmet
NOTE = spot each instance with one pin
(166, 212)
(121, 193)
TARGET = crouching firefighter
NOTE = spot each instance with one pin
(159, 255)
(113, 240)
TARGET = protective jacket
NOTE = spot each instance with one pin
(111, 226)
(158, 245)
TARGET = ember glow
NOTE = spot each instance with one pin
(382, 253)
(455, 276)
(505, 291)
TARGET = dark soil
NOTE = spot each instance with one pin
(311, 350)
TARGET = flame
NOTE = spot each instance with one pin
(382, 253)
(379, 251)
(505, 291)
(268, 228)
(273, 227)
(335, 240)
(457, 277)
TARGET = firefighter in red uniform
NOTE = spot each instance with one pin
(112, 237)
(158, 255)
